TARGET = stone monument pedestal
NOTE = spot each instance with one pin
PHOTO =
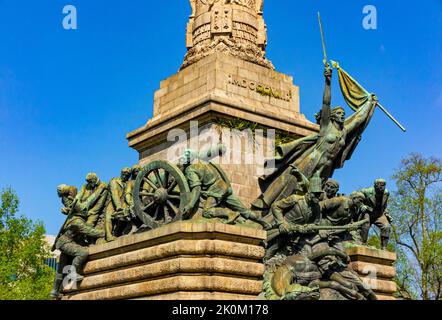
(376, 269)
(180, 261)
(218, 88)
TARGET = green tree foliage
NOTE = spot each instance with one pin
(23, 273)
(240, 126)
(416, 208)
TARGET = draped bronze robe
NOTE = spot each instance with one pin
(305, 153)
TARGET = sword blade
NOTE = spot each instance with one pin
(323, 39)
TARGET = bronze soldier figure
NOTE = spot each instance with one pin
(292, 214)
(313, 260)
(375, 209)
(341, 210)
(323, 153)
(299, 209)
(211, 182)
(128, 194)
(331, 189)
(92, 198)
(67, 195)
(71, 239)
(130, 215)
(116, 208)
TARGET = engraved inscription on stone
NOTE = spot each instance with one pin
(260, 88)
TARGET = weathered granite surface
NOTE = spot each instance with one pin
(376, 268)
(212, 260)
(223, 87)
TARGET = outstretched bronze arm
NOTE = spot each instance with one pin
(361, 118)
(194, 197)
(326, 101)
(95, 196)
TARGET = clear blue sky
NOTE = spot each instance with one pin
(68, 98)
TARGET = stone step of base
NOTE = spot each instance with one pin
(173, 284)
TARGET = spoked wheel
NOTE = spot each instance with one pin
(160, 193)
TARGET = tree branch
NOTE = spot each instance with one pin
(406, 245)
(411, 184)
(414, 241)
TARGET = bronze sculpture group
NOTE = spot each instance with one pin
(305, 257)
(307, 221)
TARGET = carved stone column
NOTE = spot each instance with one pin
(225, 76)
(234, 27)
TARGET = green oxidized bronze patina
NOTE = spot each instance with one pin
(160, 193)
(321, 153)
(375, 210)
(305, 257)
(308, 222)
(117, 209)
(210, 185)
(72, 240)
(92, 199)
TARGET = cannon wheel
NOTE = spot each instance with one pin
(161, 191)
